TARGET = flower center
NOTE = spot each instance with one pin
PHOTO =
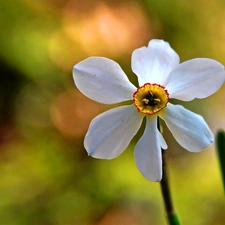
(150, 98)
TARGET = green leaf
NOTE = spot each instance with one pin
(220, 147)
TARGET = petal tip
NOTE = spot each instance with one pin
(89, 153)
(157, 179)
(151, 178)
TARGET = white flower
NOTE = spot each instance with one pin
(160, 78)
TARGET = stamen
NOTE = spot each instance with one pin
(150, 93)
(146, 101)
(157, 100)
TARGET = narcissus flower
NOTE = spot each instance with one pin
(160, 78)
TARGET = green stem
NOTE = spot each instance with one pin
(171, 215)
(220, 146)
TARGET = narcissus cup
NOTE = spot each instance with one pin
(161, 77)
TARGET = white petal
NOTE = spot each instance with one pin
(188, 128)
(196, 78)
(153, 63)
(102, 80)
(162, 141)
(110, 132)
(148, 155)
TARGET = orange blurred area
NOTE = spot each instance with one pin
(99, 29)
(72, 113)
(46, 176)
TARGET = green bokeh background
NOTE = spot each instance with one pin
(46, 177)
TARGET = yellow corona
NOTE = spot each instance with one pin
(150, 98)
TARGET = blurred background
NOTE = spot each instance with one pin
(46, 177)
